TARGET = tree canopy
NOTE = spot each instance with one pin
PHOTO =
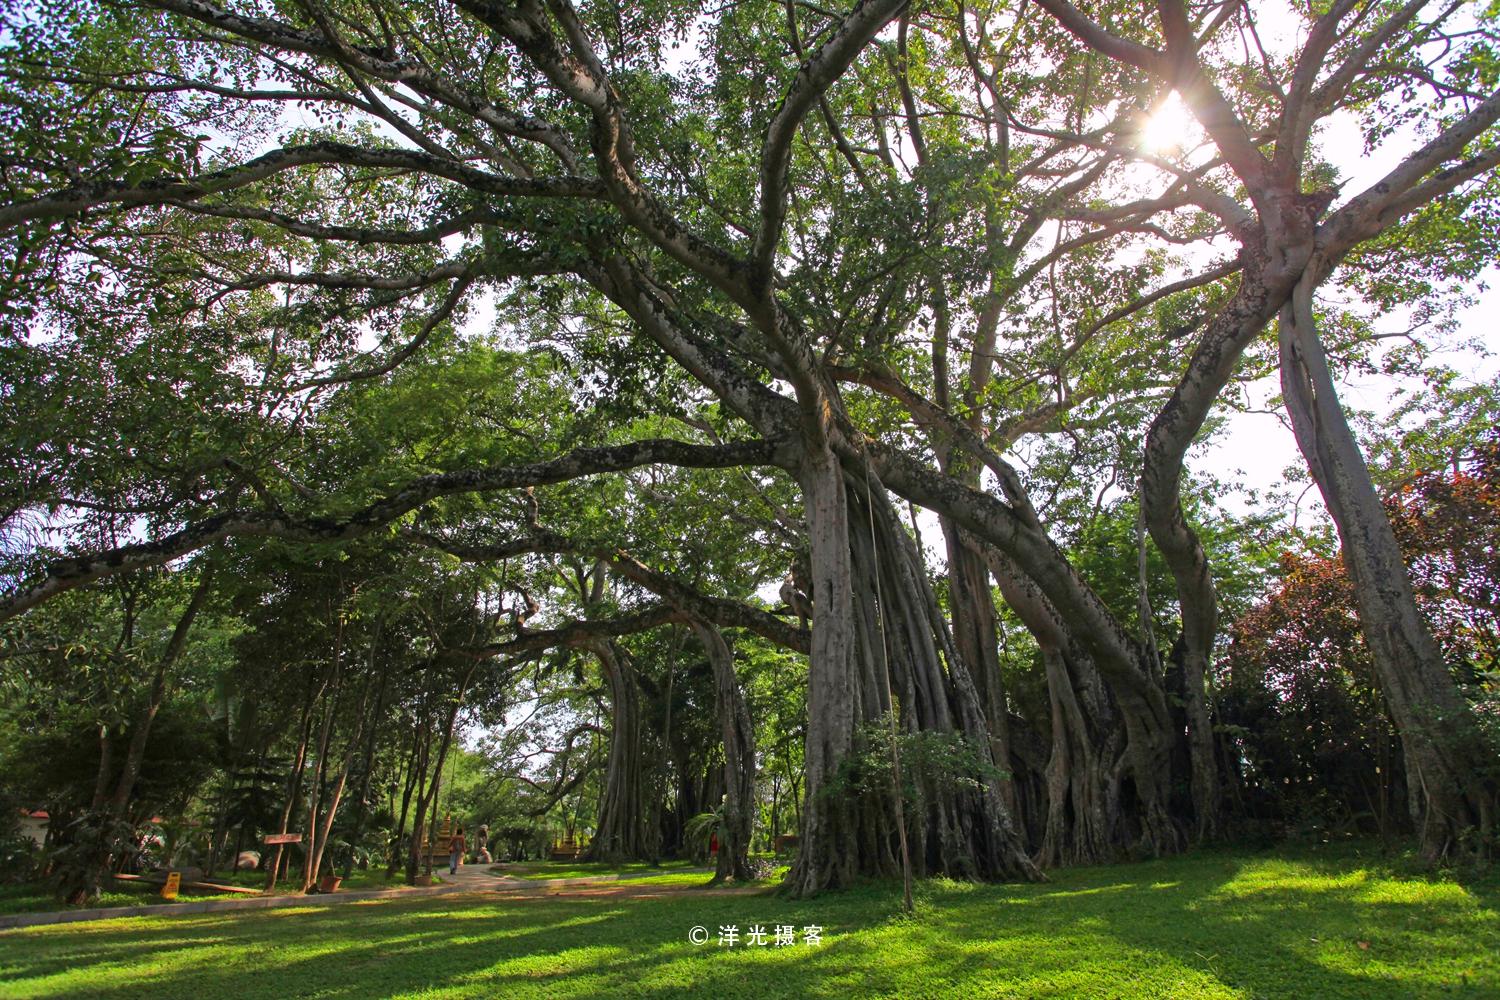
(607, 320)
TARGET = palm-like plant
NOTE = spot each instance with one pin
(699, 832)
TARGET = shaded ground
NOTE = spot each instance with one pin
(1212, 925)
(584, 869)
(37, 898)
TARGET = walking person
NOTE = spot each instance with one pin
(482, 844)
(455, 851)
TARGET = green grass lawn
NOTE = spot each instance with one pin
(33, 898)
(1307, 925)
(373, 878)
(585, 869)
(37, 898)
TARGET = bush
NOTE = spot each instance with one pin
(80, 862)
(759, 869)
(18, 858)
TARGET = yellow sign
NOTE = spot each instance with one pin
(174, 881)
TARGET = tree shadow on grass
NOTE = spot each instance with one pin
(1210, 925)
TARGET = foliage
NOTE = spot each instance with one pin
(331, 286)
(1300, 703)
(700, 830)
(19, 857)
(57, 766)
(926, 760)
(79, 861)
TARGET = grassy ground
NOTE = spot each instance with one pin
(358, 880)
(584, 869)
(37, 898)
(1308, 925)
(32, 898)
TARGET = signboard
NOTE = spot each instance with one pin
(170, 887)
(283, 838)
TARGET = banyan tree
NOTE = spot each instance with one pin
(865, 253)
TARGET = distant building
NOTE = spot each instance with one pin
(34, 825)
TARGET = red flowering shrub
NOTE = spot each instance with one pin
(1305, 729)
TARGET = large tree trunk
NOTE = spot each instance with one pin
(625, 832)
(883, 639)
(1119, 657)
(976, 637)
(980, 836)
(830, 853)
(1452, 803)
(975, 628)
(1266, 280)
(1198, 604)
(1199, 614)
(739, 758)
(1106, 739)
(1083, 824)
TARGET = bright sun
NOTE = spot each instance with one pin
(1171, 129)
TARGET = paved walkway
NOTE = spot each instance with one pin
(470, 879)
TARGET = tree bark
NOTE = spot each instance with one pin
(408, 782)
(429, 797)
(1452, 803)
(313, 849)
(624, 831)
(976, 636)
(884, 645)
(829, 854)
(1119, 657)
(738, 734)
(105, 770)
(372, 734)
(294, 780)
(336, 794)
(1083, 821)
(135, 753)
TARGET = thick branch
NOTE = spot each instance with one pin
(174, 189)
(70, 573)
(816, 74)
(1381, 204)
(1095, 37)
(380, 64)
(720, 611)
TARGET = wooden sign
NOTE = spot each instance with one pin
(172, 884)
(283, 838)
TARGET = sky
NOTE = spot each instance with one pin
(1260, 444)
